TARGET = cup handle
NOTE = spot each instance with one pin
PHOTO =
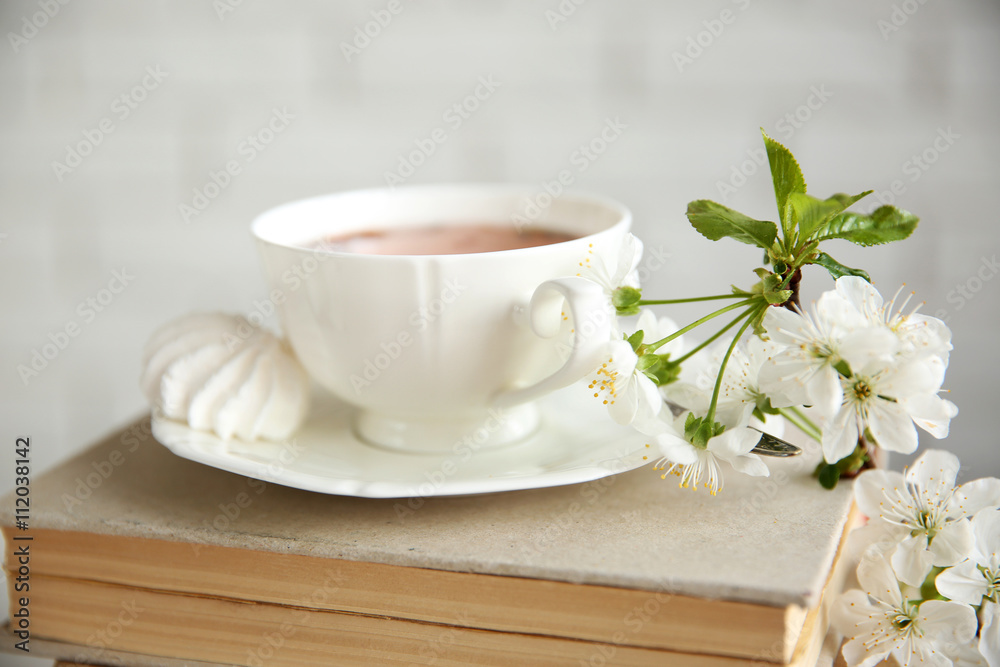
(589, 308)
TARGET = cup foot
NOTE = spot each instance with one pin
(493, 428)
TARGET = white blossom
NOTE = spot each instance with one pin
(623, 274)
(888, 400)
(924, 512)
(626, 391)
(739, 391)
(812, 345)
(692, 463)
(878, 620)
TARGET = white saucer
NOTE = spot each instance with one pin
(577, 442)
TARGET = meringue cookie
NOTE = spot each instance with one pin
(219, 373)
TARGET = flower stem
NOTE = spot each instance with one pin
(795, 417)
(664, 302)
(652, 347)
(711, 339)
(805, 419)
(710, 417)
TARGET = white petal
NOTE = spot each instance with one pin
(648, 397)
(860, 652)
(646, 322)
(859, 293)
(860, 348)
(870, 491)
(689, 396)
(973, 496)
(676, 449)
(911, 560)
(733, 442)
(851, 616)
(879, 537)
(877, 578)
(665, 327)
(838, 313)
(947, 621)
(750, 464)
(908, 379)
(624, 407)
(931, 413)
(850, 609)
(891, 427)
(629, 257)
(934, 473)
(922, 653)
(989, 634)
(952, 544)
(734, 414)
(967, 655)
(825, 391)
(655, 425)
(962, 583)
(840, 437)
(986, 527)
(781, 322)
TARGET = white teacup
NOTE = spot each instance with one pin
(434, 349)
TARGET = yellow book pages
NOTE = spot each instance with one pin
(108, 618)
(599, 613)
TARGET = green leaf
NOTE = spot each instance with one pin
(786, 175)
(667, 372)
(739, 291)
(808, 213)
(779, 297)
(635, 340)
(836, 269)
(626, 300)
(763, 404)
(647, 362)
(883, 225)
(829, 475)
(716, 221)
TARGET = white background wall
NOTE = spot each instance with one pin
(889, 91)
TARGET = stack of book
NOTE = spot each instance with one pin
(140, 557)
